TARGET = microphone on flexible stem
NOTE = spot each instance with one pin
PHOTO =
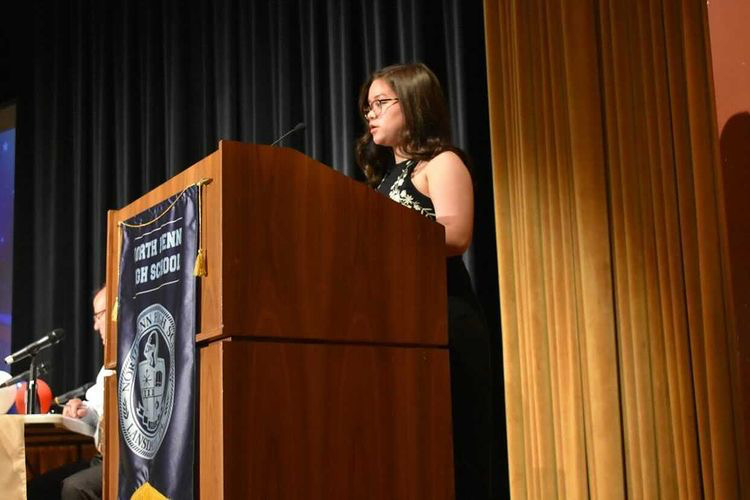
(41, 370)
(297, 128)
(32, 349)
(75, 393)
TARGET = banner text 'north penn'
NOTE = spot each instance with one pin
(154, 248)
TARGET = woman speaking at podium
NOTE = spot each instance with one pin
(406, 154)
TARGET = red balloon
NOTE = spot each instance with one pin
(43, 392)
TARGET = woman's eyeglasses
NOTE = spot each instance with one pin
(377, 106)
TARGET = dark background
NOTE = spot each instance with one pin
(115, 97)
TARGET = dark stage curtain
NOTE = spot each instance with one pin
(115, 97)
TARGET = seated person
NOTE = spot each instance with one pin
(82, 479)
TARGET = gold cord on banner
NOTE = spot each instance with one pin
(200, 259)
(200, 268)
(118, 249)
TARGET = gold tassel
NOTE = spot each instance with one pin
(115, 309)
(200, 263)
(200, 268)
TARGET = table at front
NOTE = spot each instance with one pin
(53, 441)
(49, 441)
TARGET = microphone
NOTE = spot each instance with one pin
(32, 349)
(41, 370)
(75, 393)
(296, 128)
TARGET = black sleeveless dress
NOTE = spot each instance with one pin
(469, 344)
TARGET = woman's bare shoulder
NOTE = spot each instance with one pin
(447, 162)
(447, 158)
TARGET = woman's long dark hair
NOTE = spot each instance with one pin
(427, 129)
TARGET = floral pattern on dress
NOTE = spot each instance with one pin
(400, 195)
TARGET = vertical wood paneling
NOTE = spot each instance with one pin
(615, 329)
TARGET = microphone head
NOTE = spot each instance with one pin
(56, 335)
(296, 128)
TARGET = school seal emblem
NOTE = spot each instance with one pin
(146, 383)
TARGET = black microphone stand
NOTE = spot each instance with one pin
(30, 351)
(32, 405)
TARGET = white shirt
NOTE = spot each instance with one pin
(95, 401)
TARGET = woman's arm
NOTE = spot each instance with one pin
(450, 188)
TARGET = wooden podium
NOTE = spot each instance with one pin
(323, 360)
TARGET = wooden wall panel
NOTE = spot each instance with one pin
(730, 40)
(615, 326)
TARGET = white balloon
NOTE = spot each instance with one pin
(7, 394)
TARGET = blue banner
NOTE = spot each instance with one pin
(156, 325)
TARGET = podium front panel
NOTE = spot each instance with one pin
(319, 421)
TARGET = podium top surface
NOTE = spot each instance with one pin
(59, 422)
